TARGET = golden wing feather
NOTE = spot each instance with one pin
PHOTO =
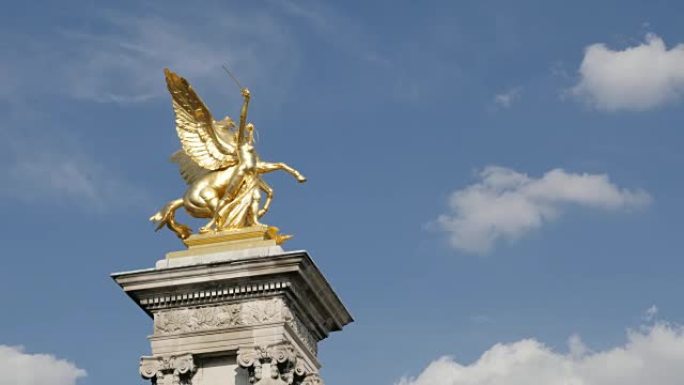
(196, 127)
(189, 170)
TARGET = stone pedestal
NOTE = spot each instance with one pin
(235, 317)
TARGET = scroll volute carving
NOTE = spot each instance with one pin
(170, 370)
(285, 366)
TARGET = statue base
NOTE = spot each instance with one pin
(242, 238)
(234, 317)
(237, 239)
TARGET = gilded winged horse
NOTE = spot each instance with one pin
(220, 165)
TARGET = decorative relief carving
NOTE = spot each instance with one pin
(225, 316)
(283, 364)
(301, 330)
(258, 312)
(170, 370)
(203, 318)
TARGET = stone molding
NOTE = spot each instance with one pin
(249, 313)
(285, 366)
(213, 295)
(230, 280)
(190, 291)
(170, 370)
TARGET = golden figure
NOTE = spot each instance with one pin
(220, 165)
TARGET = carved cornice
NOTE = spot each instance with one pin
(200, 296)
(170, 370)
(285, 365)
(292, 276)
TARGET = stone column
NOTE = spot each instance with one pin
(235, 317)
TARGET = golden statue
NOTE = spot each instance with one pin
(220, 166)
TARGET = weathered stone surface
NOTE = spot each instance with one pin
(211, 254)
(246, 313)
(168, 370)
(222, 318)
(276, 364)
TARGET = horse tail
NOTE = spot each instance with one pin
(167, 216)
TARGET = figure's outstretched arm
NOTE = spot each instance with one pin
(243, 116)
(266, 167)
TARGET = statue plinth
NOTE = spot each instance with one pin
(226, 316)
(230, 240)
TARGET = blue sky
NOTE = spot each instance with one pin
(480, 173)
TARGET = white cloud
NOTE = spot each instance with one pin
(122, 60)
(506, 204)
(650, 356)
(651, 313)
(61, 173)
(637, 78)
(334, 26)
(19, 368)
(257, 48)
(506, 99)
(125, 65)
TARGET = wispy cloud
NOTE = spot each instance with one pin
(334, 27)
(121, 60)
(20, 368)
(638, 78)
(650, 356)
(506, 204)
(505, 99)
(59, 172)
(407, 71)
(125, 64)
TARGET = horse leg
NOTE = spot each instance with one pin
(166, 216)
(266, 167)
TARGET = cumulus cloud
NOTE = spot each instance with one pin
(651, 313)
(650, 356)
(506, 204)
(20, 368)
(637, 78)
